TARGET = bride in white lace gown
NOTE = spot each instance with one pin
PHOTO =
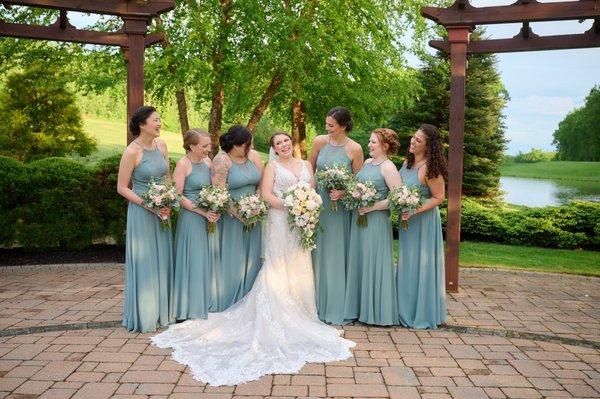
(274, 328)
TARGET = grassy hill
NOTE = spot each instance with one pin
(561, 170)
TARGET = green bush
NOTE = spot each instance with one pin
(112, 208)
(58, 210)
(535, 155)
(14, 184)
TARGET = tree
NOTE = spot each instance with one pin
(485, 99)
(40, 118)
(578, 135)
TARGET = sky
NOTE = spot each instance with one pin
(544, 86)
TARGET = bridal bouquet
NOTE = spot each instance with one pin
(334, 177)
(359, 195)
(250, 209)
(161, 194)
(405, 199)
(213, 199)
(304, 206)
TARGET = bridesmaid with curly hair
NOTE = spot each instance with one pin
(420, 277)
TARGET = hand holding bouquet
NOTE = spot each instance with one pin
(334, 177)
(250, 210)
(360, 195)
(405, 199)
(213, 199)
(160, 195)
(304, 206)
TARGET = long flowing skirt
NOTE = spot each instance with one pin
(148, 271)
(371, 284)
(273, 329)
(421, 287)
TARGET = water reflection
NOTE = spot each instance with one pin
(538, 192)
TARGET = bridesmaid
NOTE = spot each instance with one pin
(330, 256)
(239, 168)
(196, 252)
(421, 289)
(371, 284)
(148, 248)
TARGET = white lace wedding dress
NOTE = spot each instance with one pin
(274, 328)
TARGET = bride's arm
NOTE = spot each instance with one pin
(266, 187)
(313, 182)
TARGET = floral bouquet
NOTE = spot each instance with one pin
(334, 177)
(359, 195)
(304, 206)
(161, 194)
(405, 199)
(250, 209)
(213, 199)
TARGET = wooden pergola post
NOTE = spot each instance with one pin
(133, 38)
(458, 36)
(134, 57)
(459, 19)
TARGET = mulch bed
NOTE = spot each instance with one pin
(93, 254)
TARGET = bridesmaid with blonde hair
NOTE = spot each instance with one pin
(371, 283)
(196, 251)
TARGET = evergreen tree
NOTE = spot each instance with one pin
(40, 117)
(485, 99)
(578, 135)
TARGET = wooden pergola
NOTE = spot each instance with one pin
(459, 20)
(133, 37)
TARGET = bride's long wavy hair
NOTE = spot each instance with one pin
(434, 153)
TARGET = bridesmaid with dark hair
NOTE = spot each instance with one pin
(148, 247)
(239, 168)
(421, 288)
(330, 260)
(371, 283)
(196, 251)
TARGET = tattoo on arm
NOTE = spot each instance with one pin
(219, 170)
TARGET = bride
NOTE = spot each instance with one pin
(274, 328)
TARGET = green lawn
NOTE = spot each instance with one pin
(565, 170)
(482, 254)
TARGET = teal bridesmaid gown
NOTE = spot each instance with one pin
(330, 254)
(240, 250)
(371, 284)
(148, 255)
(421, 288)
(196, 253)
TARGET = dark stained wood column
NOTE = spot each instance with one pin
(134, 57)
(458, 37)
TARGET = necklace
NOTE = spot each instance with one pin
(375, 163)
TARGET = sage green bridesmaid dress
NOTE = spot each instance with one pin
(420, 276)
(196, 253)
(371, 284)
(240, 249)
(148, 255)
(330, 256)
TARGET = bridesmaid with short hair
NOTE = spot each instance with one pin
(239, 168)
(371, 284)
(196, 251)
(330, 260)
(148, 247)
(421, 288)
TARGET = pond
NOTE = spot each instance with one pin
(542, 192)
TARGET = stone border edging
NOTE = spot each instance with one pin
(57, 267)
(454, 328)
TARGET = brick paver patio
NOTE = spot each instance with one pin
(482, 353)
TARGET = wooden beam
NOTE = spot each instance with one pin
(134, 57)
(519, 43)
(71, 34)
(458, 38)
(521, 11)
(110, 7)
